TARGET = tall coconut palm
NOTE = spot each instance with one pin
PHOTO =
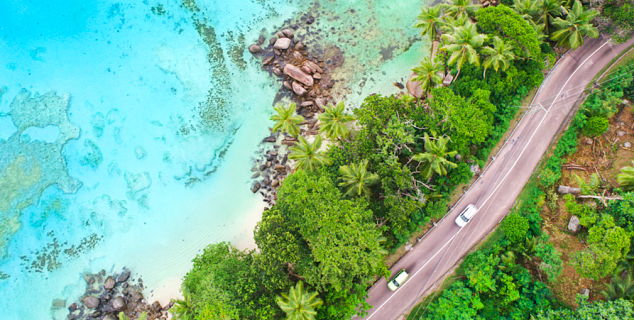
(500, 56)
(619, 288)
(182, 309)
(591, 186)
(428, 74)
(430, 20)
(299, 304)
(333, 121)
(547, 10)
(286, 121)
(626, 178)
(451, 24)
(307, 155)
(455, 8)
(356, 179)
(570, 32)
(527, 8)
(434, 160)
(462, 45)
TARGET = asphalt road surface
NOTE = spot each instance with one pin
(499, 186)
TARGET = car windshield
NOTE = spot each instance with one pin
(464, 218)
(395, 283)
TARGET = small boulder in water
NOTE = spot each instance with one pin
(91, 302)
(254, 48)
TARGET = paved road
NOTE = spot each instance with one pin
(499, 186)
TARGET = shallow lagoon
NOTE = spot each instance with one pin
(142, 154)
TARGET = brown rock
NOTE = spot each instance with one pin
(269, 139)
(282, 43)
(281, 34)
(273, 153)
(277, 71)
(321, 102)
(279, 167)
(297, 55)
(307, 70)
(297, 74)
(272, 40)
(309, 115)
(261, 39)
(109, 284)
(268, 164)
(275, 183)
(288, 85)
(300, 46)
(288, 33)
(91, 302)
(267, 60)
(317, 76)
(255, 189)
(118, 304)
(413, 87)
(486, 4)
(299, 90)
(314, 66)
(288, 143)
(254, 48)
(306, 104)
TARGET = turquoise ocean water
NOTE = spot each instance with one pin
(126, 137)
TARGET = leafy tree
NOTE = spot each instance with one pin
(427, 73)
(357, 180)
(599, 310)
(480, 271)
(626, 178)
(619, 288)
(333, 121)
(509, 25)
(607, 243)
(515, 227)
(587, 215)
(433, 160)
(307, 155)
(457, 302)
(596, 126)
(570, 32)
(430, 20)
(299, 304)
(462, 45)
(455, 8)
(551, 263)
(548, 10)
(500, 56)
(286, 121)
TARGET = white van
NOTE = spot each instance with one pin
(466, 215)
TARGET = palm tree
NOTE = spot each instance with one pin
(433, 159)
(357, 180)
(577, 25)
(430, 20)
(589, 187)
(299, 304)
(451, 24)
(547, 10)
(527, 8)
(306, 154)
(626, 178)
(182, 309)
(457, 7)
(286, 121)
(333, 121)
(500, 56)
(427, 74)
(122, 316)
(462, 45)
(619, 288)
(626, 264)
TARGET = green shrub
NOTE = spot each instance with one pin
(515, 227)
(596, 126)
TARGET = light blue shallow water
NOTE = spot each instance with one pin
(117, 167)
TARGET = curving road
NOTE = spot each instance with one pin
(495, 192)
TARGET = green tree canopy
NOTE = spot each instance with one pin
(433, 160)
(462, 45)
(509, 25)
(285, 120)
(599, 310)
(333, 121)
(429, 21)
(307, 155)
(299, 303)
(498, 57)
(427, 73)
(578, 24)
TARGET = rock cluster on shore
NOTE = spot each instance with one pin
(107, 296)
(306, 80)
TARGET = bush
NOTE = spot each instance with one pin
(596, 126)
(515, 227)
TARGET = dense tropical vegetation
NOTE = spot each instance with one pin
(343, 209)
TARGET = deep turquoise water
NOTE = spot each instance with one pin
(123, 144)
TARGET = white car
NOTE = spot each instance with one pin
(466, 215)
(398, 280)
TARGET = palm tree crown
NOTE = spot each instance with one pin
(619, 288)
(427, 74)
(500, 56)
(306, 154)
(577, 25)
(299, 304)
(430, 20)
(333, 121)
(527, 8)
(286, 121)
(434, 157)
(462, 45)
(451, 24)
(182, 309)
(626, 178)
(547, 10)
(457, 7)
(357, 180)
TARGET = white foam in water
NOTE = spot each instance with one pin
(157, 186)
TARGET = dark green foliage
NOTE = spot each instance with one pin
(508, 24)
(599, 310)
(623, 212)
(457, 302)
(622, 16)
(566, 145)
(596, 126)
(515, 227)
